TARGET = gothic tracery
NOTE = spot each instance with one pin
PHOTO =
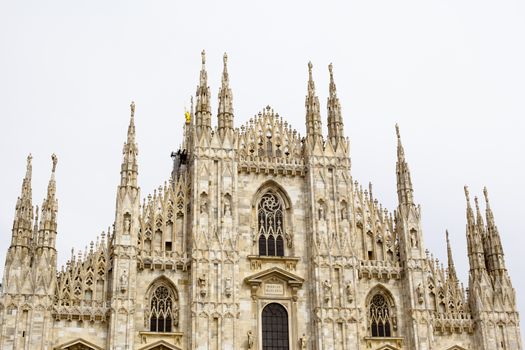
(270, 225)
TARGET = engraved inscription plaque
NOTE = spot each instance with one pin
(273, 289)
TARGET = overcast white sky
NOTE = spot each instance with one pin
(451, 73)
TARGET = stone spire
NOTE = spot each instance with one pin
(225, 112)
(335, 119)
(476, 254)
(24, 209)
(313, 114)
(129, 168)
(404, 181)
(451, 267)
(48, 220)
(203, 107)
(481, 231)
(494, 249)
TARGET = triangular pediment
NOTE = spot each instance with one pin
(456, 347)
(388, 347)
(274, 272)
(160, 345)
(77, 343)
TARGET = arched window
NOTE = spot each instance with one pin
(380, 318)
(275, 327)
(270, 221)
(163, 311)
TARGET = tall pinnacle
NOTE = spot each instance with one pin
(131, 127)
(475, 249)
(203, 108)
(494, 248)
(313, 114)
(48, 221)
(129, 168)
(451, 268)
(404, 180)
(27, 192)
(24, 209)
(335, 120)
(225, 113)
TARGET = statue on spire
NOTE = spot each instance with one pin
(335, 119)
(225, 111)
(313, 115)
(29, 165)
(132, 108)
(203, 107)
(404, 180)
(54, 159)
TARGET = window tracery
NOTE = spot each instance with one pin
(380, 318)
(271, 226)
(163, 313)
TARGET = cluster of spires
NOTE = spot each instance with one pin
(28, 229)
(225, 110)
(485, 251)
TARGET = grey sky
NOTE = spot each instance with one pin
(451, 73)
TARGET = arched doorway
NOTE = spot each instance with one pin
(275, 327)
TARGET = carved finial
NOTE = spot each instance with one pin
(310, 66)
(54, 159)
(467, 194)
(29, 161)
(203, 57)
(397, 131)
(486, 195)
(132, 107)
(332, 89)
(225, 59)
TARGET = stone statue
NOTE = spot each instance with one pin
(419, 293)
(54, 159)
(176, 316)
(303, 341)
(127, 225)
(123, 280)
(289, 239)
(251, 340)
(321, 212)
(349, 293)
(413, 238)
(344, 212)
(327, 287)
(204, 207)
(227, 208)
(201, 281)
(228, 287)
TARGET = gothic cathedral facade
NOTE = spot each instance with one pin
(260, 239)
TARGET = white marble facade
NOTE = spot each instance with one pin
(260, 239)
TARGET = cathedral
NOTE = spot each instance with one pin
(259, 239)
